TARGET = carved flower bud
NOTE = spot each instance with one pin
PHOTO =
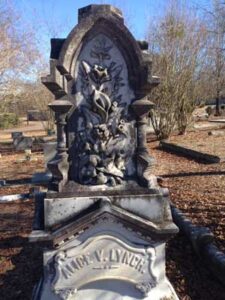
(102, 147)
(101, 178)
(87, 147)
(93, 160)
(89, 125)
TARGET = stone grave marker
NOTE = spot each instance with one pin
(23, 143)
(104, 219)
(49, 151)
(36, 115)
(16, 134)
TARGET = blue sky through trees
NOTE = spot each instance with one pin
(56, 18)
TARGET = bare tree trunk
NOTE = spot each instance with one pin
(217, 113)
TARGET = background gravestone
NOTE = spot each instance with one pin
(104, 217)
(16, 135)
(21, 142)
(36, 115)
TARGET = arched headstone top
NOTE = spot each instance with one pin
(102, 19)
(99, 9)
(105, 74)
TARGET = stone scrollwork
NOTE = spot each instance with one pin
(66, 294)
(75, 267)
(145, 287)
(104, 144)
(63, 293)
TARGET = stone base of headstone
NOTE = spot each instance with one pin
(105, 247)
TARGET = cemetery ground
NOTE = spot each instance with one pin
(196, 188)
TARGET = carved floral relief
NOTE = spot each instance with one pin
(104, 140)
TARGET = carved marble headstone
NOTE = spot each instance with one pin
(105, 141)
(104, 219)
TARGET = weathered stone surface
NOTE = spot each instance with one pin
(16, 134)
(106, 138)
(154, 208)
(42, 177)
(110, 244)
(94, 9)
(58, 210)
(23, 143)
(36, 115)
(59, 165)
(102, 70)
(49, 151)
(107, 261)
(105, 218)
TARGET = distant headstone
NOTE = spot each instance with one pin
(36, 115)
(49, 151)
(41, 178)
(17, 134)
(2, 182)
(49, 154)
(216, 133)
(23, 143)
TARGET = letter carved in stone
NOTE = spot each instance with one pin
(79, 266)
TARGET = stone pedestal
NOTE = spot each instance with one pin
(59, 165)
(104, 219)
(112, 248)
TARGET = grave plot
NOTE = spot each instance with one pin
(201, 145)
(17, 274)
(188, 274)
(16, 169)
(195, 188)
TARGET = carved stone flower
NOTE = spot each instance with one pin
(99, 74)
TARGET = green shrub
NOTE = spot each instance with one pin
(8, 120)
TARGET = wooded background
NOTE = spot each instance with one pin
(187, 45)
